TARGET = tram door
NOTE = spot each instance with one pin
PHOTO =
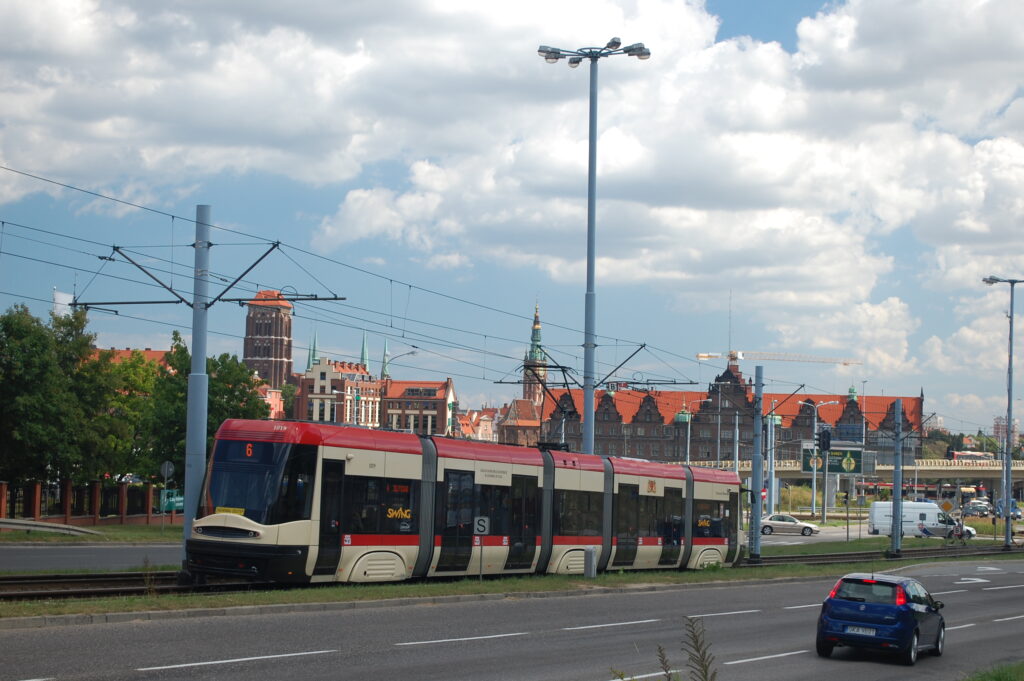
(330, 518)
(456, 502)
(523, 522)
(671, 527)
(732, 518)
(627, 510)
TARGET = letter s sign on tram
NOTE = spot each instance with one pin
(481, 524)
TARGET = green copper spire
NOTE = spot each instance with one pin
(364, 356)
(384, 362)
(312, 353)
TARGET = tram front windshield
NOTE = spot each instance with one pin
(267, 482)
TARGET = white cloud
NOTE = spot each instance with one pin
(886, 153)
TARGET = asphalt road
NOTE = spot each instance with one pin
(757, 631)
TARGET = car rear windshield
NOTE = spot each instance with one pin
(865, 591)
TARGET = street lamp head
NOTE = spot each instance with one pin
(574, 62)
(644, 54)
(613, 44)
(543, 50)
(991, 279)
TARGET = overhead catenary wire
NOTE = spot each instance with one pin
(410, 288)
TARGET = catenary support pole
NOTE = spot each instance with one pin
(198, 380)
(897, 482)
(757, 471)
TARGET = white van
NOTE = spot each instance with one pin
(920, 519)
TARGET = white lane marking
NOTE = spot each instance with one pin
(997, 588)
(455, 640)
(990, 569)
(717, 614)
(972, 580)
(797, 607)
(943, 593)
(50, 678)
(613, 624)
(649, 676)
(1007, 619)
(237, 659)
(962, 626)
(767, 657)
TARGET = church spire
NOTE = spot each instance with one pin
(384, 361)
(364, 356)
(536, 352)
(312, 354)
(535, 365)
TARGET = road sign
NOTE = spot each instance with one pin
(166, 469)
(481, 524)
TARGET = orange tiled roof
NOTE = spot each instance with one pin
(270, 299)
(398, 388)
(669, 403)
(118, 355)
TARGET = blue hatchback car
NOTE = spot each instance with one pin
(888, 613)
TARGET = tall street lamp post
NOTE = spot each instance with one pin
(686, 416)
(552, 55)
(814, 476)
(1007, 454)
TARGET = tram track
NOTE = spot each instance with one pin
(106, 584)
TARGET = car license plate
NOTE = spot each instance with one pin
(863, 631)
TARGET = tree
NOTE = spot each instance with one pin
(57, 392)
(288, 391)
(32, 390)
(232, 394)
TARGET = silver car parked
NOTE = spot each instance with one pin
(780, 522)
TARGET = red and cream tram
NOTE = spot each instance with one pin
(315, 502)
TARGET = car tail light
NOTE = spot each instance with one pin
(832, 593)
(901, 596)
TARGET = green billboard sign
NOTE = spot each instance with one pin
(847, 461)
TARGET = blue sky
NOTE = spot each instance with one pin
(829, 179)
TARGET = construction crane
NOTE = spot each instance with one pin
(736, 355)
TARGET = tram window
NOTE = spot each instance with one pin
(456, 502)
(651, 513)
(270, 482)
(578, 513)
(380, 506)
(707, 519)
(493, 502)
(295, 494)
(524, 506)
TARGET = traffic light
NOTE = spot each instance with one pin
(825, 440)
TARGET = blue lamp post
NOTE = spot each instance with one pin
(552, 55)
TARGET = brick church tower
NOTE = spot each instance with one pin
(268, 338)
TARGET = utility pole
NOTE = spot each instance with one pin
(896, 545)
(756, 471)
(198, 382)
